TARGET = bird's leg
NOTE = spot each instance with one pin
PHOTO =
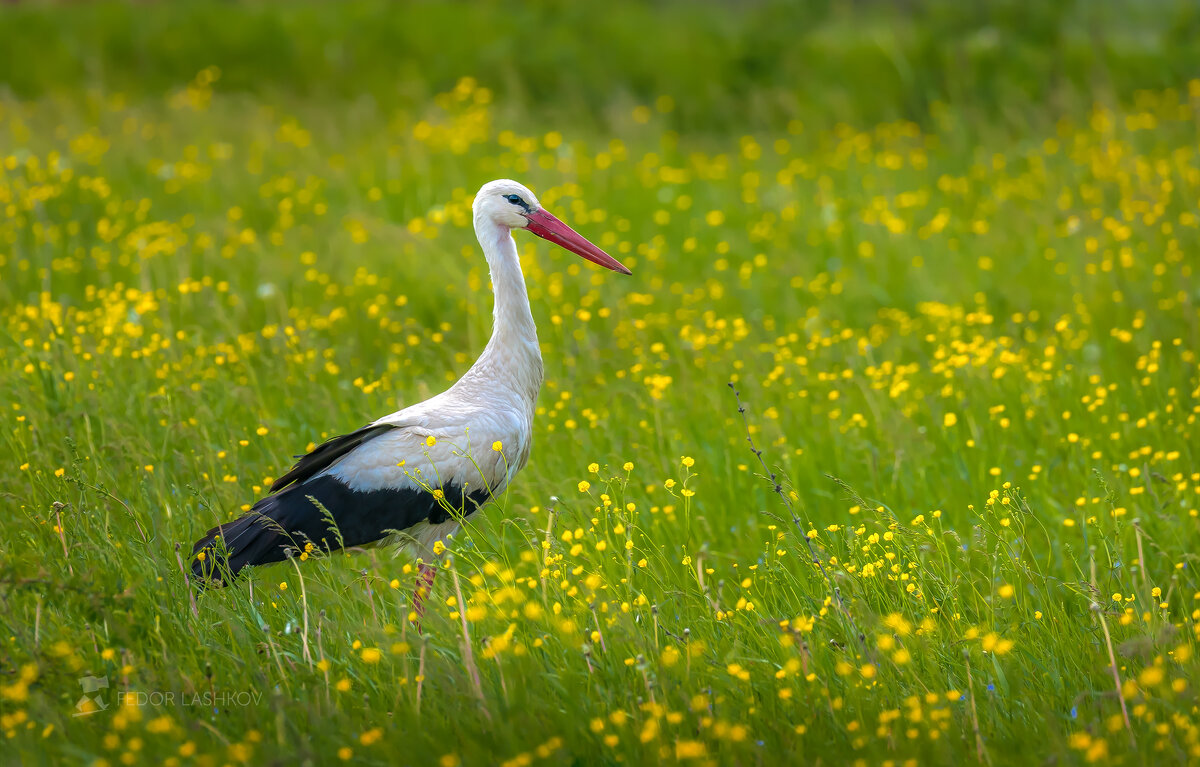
(425, 576)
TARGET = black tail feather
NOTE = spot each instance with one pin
(277, 523)
(214, 563)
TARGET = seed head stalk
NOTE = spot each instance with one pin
(787, 502)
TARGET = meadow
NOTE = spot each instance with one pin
(940, 270)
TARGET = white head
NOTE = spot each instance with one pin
(509, 204)
(505, 202)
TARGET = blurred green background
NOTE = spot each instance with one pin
(729, 65)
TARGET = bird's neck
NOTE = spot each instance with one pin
(513, 350)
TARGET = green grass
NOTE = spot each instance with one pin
(965, 341)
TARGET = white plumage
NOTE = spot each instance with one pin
(421, 470)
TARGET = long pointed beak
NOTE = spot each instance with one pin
(546, 226)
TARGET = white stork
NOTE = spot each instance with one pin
(414, 475)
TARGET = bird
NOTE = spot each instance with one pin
(412, 477)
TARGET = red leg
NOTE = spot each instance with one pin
(425, 575)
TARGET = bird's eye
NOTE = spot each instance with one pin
(515, 199)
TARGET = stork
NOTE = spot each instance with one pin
(413, 476)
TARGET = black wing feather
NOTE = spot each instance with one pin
(290, 519)
(326, 453)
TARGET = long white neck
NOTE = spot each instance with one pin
(512, 356)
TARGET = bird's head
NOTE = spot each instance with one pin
(510, 204)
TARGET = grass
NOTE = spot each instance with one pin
(965, 349)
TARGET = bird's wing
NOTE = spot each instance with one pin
(415, 466)
(441, 417)
(447, 447)
(327, 453)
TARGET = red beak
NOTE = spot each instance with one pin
(550, 228)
